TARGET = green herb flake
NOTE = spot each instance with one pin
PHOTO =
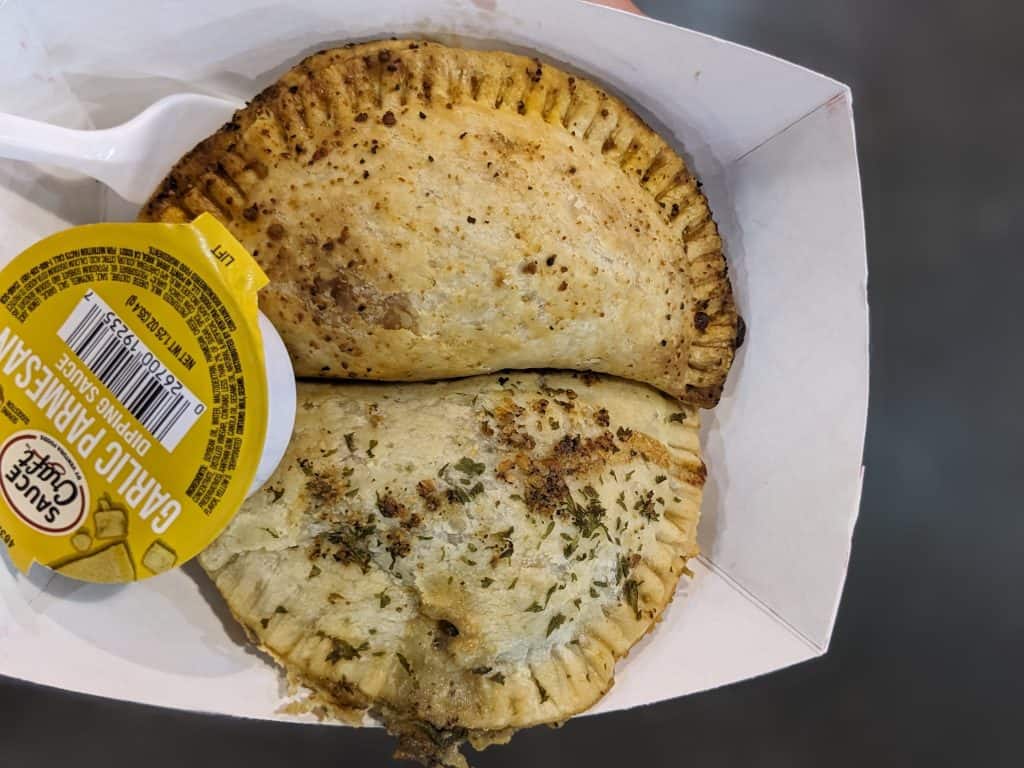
(271, 532)
(629, 475)
(621, 569)
(645, 506)
(404, 662)
(486, 581)
(498, 678)
(314, 572)
(331, 452)
(280, 609)
(512, 584)
(350, 441)
(601, 584)
(369, 451)
(467, 466)
(535, 607)
(342, 650)
(350, 494)
(277, 493)
(481, 670)
(621, 500)
(556, 621)
(678, 417)
(593, 592)
(457, 495)
(384, 599)
(547, 531)
(547, 597)
(347, 471)
(660, 479)
(631, 593)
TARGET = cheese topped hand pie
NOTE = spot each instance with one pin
(467, 557)
(427, 212)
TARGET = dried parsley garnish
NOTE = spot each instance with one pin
(342, 650)
(404, 662)
(369, 451)
(486, 581)
(621, 569)
(556, 621)
(385, 601)
(645, 506)
(547, 597)
(587, 518)
(467, 466)
(631, 594)
(350, 441)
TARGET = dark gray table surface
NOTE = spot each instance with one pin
(925, 664)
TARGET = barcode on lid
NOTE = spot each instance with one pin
(140, 383)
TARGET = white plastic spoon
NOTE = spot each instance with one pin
(130, 158)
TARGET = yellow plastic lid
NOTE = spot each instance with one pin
(142, 396)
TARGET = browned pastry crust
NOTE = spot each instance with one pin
(466, 557)
(427, 212)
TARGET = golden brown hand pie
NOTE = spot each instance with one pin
(467, 557)
(427, 212)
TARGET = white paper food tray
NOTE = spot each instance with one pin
(774, 145)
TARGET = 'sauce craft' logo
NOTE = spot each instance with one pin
(42, 483)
